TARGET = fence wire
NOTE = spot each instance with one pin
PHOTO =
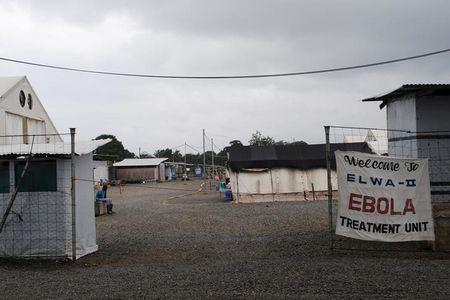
(435, 146)
(40, 223)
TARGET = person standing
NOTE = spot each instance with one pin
(104, 189)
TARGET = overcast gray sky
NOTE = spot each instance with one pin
(220, 38)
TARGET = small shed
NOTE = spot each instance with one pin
(282, 172)
(40, 223)
(141, 169)
(421, 113)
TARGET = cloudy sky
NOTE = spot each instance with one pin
(220, 38)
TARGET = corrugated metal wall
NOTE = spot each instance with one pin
(135, 174)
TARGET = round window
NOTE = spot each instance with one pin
(30, 101)
(22, 98)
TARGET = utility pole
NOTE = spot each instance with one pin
(139, 152)
(204, 155)
(72, 194)
(212, 156)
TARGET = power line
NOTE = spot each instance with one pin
(192, 148)
(217, 147)
(221, 135)
(328, 70)
(174, 148)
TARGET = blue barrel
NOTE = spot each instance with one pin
(228, 194)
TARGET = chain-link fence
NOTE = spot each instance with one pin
(36, 203)
(435, 146)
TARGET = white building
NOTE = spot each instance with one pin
(418, 125)
(22, 114)
(40, 222)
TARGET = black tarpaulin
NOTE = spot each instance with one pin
(303, 157)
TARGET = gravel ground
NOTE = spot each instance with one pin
(165, 243)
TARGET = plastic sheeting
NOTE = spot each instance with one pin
(302, 157)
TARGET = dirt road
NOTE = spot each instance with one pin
(170, 241)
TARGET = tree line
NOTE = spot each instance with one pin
(115, 150)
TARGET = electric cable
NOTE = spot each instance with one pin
(248, 76)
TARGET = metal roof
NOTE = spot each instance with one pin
(82, 147)
(7, 83)
(140, 162)
(416, 89)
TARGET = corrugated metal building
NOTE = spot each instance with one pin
(422, 112)
(141, 169)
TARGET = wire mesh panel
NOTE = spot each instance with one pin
(35, 196)
(434, 146)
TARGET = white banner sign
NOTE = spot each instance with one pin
(383, 198)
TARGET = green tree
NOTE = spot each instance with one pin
(145, 154)
(194, 159)
(170, 154)
(222, 157)
(114, 149)
(259, 140)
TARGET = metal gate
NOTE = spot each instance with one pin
(435, 146)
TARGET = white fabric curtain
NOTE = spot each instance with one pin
(14, 127)
(36, 127)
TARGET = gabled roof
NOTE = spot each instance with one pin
(414, 89)
(7, 83)
(303, 157)
(59, 148)
(140, 162)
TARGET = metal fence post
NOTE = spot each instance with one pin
(72, 180)
(330, 188)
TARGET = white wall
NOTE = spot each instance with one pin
(284, 180)
(85, 210)
(401, 115)
(100, 170)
